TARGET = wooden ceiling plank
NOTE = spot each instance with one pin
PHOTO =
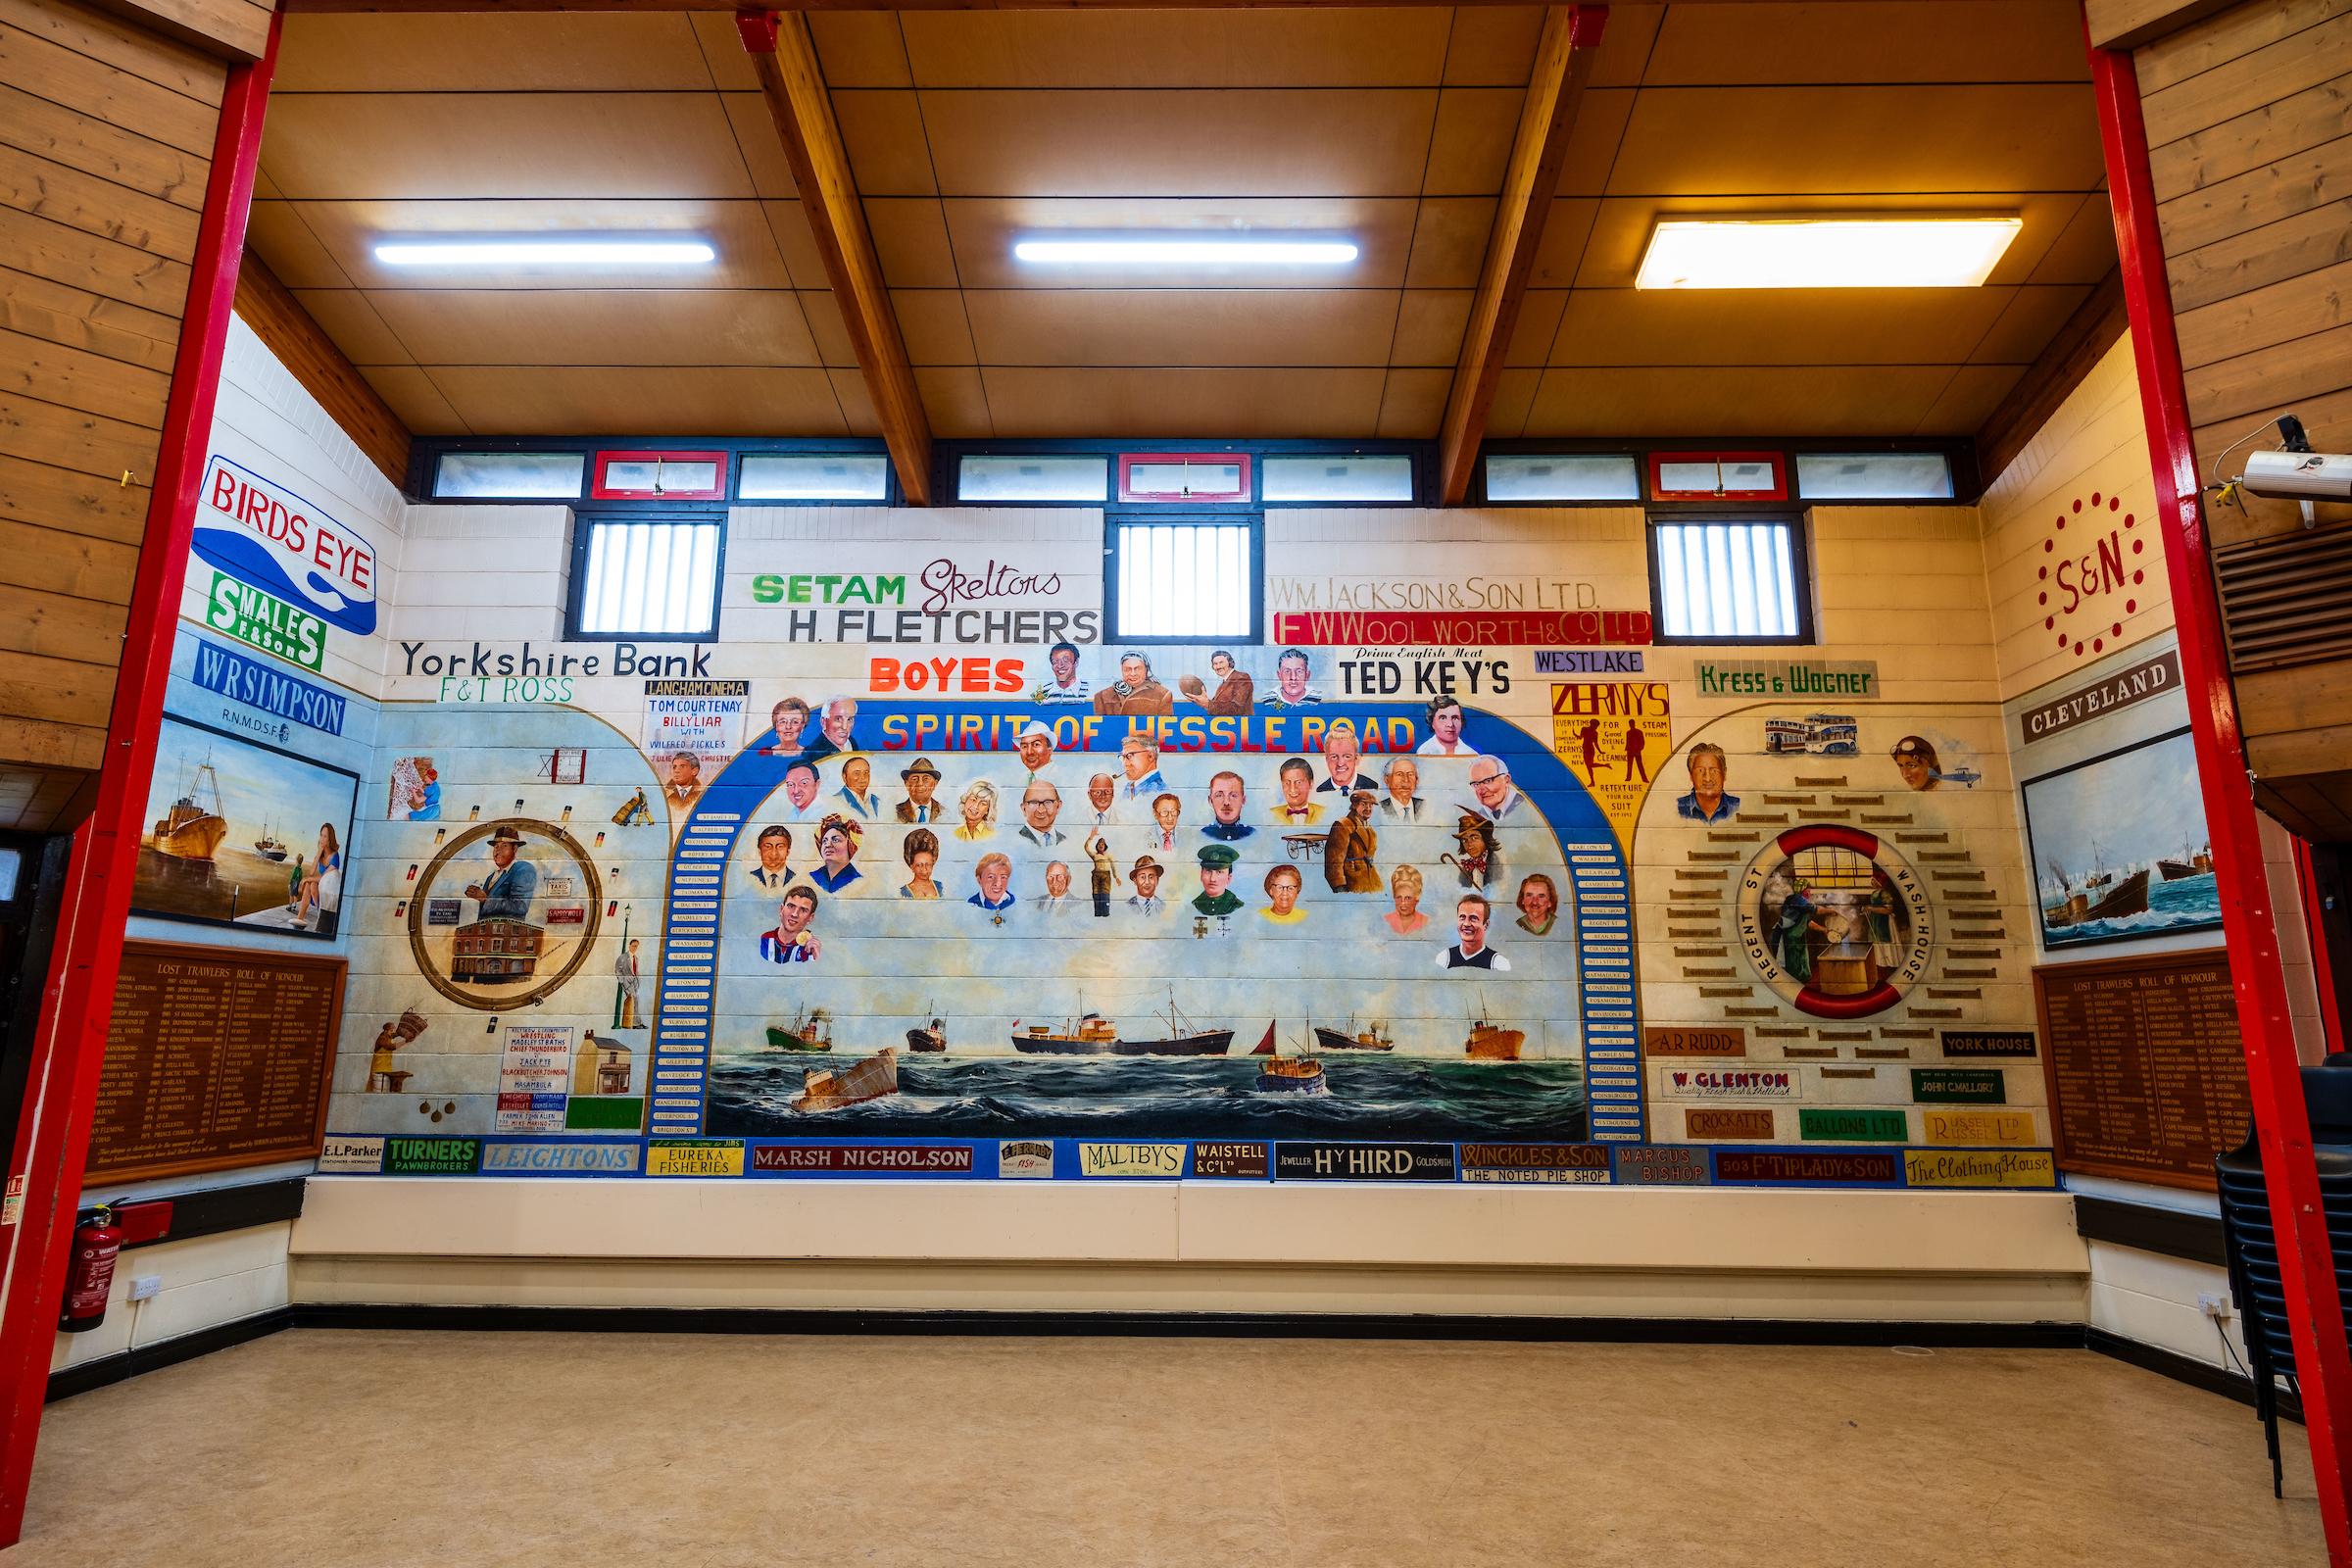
(2080, 345)
(303, 347)
(444, 7)
(1563, 65)
(784, 56)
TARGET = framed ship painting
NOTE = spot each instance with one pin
(243, 834)
(2118, 845)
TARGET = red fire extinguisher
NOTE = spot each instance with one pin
(90, 1272)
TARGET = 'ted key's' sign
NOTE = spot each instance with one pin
(262, 534)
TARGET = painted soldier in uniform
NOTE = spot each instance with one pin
(1216, 896)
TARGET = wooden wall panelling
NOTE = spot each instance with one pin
(233, 29)
(286, 329)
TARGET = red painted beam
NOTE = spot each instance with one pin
(2281, 1122)
(79, 1000)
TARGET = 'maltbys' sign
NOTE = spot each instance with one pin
(266, 535)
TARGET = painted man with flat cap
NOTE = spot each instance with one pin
(1216, 896)
(922, 783)
(506, 893)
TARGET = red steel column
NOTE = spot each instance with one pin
(78, 1003)
(2323, 963)
(2282, 1123)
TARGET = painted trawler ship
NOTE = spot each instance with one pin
(1487, 1041)
(2192, 862)
(1092, 1035)
(829, 1090)
(1374, 1038)
(269, 847)
(811, 1030)
(934, 1038)
(1278, 1074)
(2099, 898)
(194, 827)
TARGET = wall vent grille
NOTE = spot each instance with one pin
(2287, 599)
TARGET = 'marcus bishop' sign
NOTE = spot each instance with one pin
(262, 534)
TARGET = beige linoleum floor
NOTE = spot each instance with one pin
(336, 1448)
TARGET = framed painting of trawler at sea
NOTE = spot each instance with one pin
(243, 834)
(2118, 845)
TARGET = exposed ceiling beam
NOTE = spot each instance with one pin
(784, 56)
(2097, 323)
(2128, 24)
(428, 7)
(303, 347)
(1546, 117)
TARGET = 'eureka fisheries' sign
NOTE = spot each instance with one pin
(272, 538)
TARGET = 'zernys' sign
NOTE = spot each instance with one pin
(270, 537)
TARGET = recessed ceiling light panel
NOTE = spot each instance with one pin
(1894, 251)
(1184, 250)
(546, 252)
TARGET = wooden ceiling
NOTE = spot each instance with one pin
(965, 128)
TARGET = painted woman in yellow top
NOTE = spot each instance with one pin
(1283, 885)
(979, 806)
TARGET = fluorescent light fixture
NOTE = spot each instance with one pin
(546, 252)
(1840, 252)
(1184, 250)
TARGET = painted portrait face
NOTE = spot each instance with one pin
(1225, 797)
(1342, 751)
(794, 917)
(1165, 810)
(1291, 675)
(1282, 890)
(1706, 776)
(857, 773)
(975, 808)
(840, 718)
(800, 786)
(1065, 665)
(1036, 752)
(1139, 760)
(502, 852)
(834, 845)
(1360, 807)
(1490, 782)
(1406, 891)
(922, 862)
(1041, 803)
(1146, 882)
(1216, 879)
(1058, 879)
(1470, 924)
(1220, 665)
(1535, 901)
(684, 769)
(1447, 723)
(774, 850)
(1298, 783)
(790, 718)
(994, 876)
(1134, 671)
(920, 787)
(1918, 772)
(1404, 777)
(1099, 790)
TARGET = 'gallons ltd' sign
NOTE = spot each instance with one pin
(283, 545)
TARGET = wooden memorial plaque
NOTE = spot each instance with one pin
(216, 1058)
(2147, 1079)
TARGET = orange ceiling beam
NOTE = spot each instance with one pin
(1555, 90)
(784, 58)
(431, 7)
(311, 358)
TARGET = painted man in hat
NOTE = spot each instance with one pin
(1216, 896)
(1136, 691)
(1035, 743)
(1349, 846)
(1146, 875)
(922, 782)
(506, 893)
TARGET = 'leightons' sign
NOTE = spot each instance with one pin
(272, 539)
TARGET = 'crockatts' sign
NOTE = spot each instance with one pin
(2151, 677)
(266, 535)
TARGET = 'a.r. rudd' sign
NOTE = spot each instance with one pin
(266, 535)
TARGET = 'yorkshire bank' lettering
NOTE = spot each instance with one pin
(268, 536)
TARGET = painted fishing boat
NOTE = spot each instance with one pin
(194, 827)
(2192, 862)
(813, 1029)
(1093, 1035)
(829, 1088)
(1089, 1035)
(1489, 1042)
(934, 1038)
(1291, 1075)
(2123, 899)
(1374, 1038)
(269, 847)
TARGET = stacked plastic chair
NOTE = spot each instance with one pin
(2251, 1243)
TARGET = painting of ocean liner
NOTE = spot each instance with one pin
(2110, 856)
(233, 830)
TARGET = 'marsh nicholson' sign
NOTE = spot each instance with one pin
(272, 538)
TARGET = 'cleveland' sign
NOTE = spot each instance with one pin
(2148, 678)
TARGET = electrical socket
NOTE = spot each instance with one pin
(143, 1285)
(2214, 1305)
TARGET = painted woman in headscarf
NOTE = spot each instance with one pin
(1792, 938)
